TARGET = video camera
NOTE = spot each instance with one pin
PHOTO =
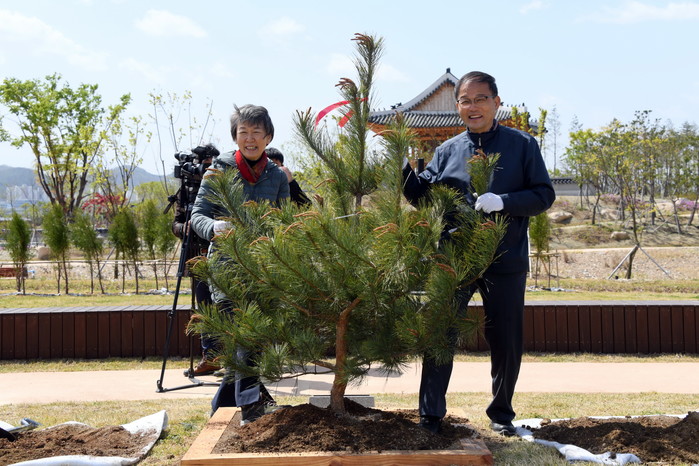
(191, 166)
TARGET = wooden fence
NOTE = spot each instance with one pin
(628, 327)
(93, 332)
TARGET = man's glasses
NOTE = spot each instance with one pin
(478, 100)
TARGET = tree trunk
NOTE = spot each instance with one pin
(337, 392)
(677, 217)
(631, 256)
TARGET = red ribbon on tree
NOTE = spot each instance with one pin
(343, 121)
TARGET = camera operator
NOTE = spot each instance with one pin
(191, 171)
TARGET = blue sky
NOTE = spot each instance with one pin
(594, 60)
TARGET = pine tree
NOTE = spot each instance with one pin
(360, 273)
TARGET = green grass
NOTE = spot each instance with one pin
(188, 416)
(124, 364)
(44, 295)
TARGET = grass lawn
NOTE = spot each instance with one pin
(188, 416)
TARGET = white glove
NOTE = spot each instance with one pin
(489, 202)
(221, 226)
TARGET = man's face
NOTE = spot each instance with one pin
(477, 106)
(252, 140)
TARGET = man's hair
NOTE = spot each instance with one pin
(251, 115)
(478, 77)
(275, 154)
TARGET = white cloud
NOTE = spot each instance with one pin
(40, 38)
(532, 6)
(636, 12)
(165, 24)
(340, 65)
(283, 26)
(221, 70)
(391, 74)
(145, 70)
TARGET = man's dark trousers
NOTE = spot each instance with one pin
(503, 301)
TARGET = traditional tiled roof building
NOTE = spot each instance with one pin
(432, 113)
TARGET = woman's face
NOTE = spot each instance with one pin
(252, 140)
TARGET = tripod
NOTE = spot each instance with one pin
(181, 267)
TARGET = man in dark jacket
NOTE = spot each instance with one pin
(520, 188)
(184, 198)
(295, 192)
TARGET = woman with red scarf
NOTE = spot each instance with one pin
(252, 131)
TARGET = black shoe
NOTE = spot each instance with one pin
(431, 423)
(503, 428)
(254, 411)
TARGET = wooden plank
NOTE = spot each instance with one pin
(690, 329)
(138, 335)
(550, 329)
(68, 333)
(471, 452)
(92, 340)
(183, 340)
(161, 322)
(32, 336)
(630, 318)
(528, 329)
(562, 342)
(44, 336)
(103, 322)
(115, 333)
(677, 316)
(20, 335)
(7, 346)
(607, 330)
(596, 326)
(585, 336)
(80, 322)
(573, 328)
(653, 329)
(665, 315)
(56, 335)
(619, 342)
(539, 329)
(642, 340)
(127, 333)
(149, 328)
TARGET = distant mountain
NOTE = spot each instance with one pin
(17, 176)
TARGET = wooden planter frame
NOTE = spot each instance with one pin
(472, 452)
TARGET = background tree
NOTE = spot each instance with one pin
(66, 130)
(17, 241)
(85, 238)
(165, 244)
(57, 238)
(539, 235)
(553, 135)
(342, 275)
(151, 228)
(114, 174)
(123, 234)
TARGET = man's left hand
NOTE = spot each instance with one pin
(489, 202)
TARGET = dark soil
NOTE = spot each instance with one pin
(662, 439)
(305, 428)
(72, 439)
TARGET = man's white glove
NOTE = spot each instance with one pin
(221, 226)
(489, 202)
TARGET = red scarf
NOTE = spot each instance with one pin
(250, 174)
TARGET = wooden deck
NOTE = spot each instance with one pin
(624, 327)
